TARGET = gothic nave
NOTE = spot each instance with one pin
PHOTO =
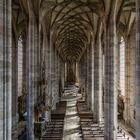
(70, 70)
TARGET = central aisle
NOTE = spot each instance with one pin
(72, 129)
(72, 121)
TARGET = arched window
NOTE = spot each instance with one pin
(20, 63)
(122, 67)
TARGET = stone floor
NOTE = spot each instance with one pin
(72, 126)
(126, 129)
(72, 121)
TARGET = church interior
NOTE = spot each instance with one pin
(70, 69)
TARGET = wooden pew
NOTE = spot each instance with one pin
(90, 130)
(54, 129)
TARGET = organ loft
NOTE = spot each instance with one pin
(70, 69)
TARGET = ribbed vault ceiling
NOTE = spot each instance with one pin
(72, 23)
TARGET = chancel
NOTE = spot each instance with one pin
(70, 70)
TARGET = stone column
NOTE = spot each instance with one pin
(14, 82)
(98, 110)
(89, 75)
(59, 76)
(137, 69)
(24, 86)
(30, 101)
(36, 63)
(77, 73)
(31, 73)
(59, 84)
(82, 74)
(65, 71)
(50, 68)
(100, 81)
(96, 82)
(52, 91)
(92, 71)
(57, 72)
(110, 102)
(46, 59)
(6, 70)
(86, 73)
(62, 77)
(55, 83)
